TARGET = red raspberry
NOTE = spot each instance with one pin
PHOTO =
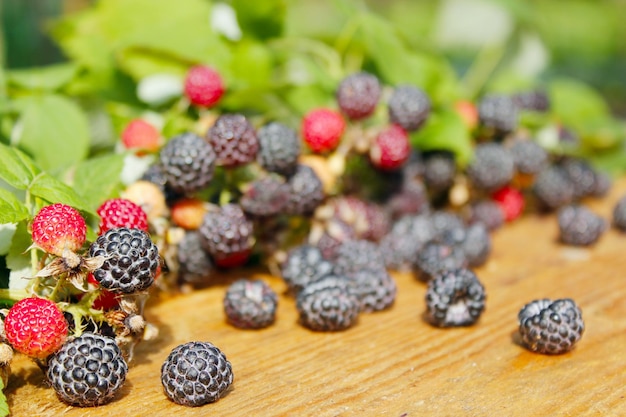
(204, 86)
(36, 327)
(391, 148)
(58, 227)
(322, 129)
(119, 212)
(141, 136)
(511, 202)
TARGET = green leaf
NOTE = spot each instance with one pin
(55, 131)
(445, 130)
(138, 23)
(574, 103)
(264, 20)
(252, 65)
(16, 168)
(51, 77)
(12, 210)
(52, 190)
(4, 405)
(97, 179)
(141, 62)
(398, 64)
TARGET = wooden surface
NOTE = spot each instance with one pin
(393, 363)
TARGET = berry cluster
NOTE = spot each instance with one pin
(331, 208)
(85, 313)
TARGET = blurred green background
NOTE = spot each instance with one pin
(585, 39)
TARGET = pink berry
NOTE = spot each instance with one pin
(322, 129)
(511, 202)
(59, 227)
(141, 136)
(391, 148)
(119, 212)
(204, 86)
(36, 327)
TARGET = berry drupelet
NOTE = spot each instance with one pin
(195, 374)
(454, 297)
(87, 371)
(227, 235)
(279, 148)
(195, 264)
(306, 191)
(304, 264)
(498, 113)
(250, 304)
(619, 214)
(492, 167)
(579, 226)
(358, 95)
(408, 107)
(435, 258)
(187, 163)
(330, 303)
(234, 140)
(551, 327)
(131, 260)
(553, 188)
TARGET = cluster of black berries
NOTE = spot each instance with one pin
(330, 293)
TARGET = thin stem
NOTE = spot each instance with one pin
(482, 68)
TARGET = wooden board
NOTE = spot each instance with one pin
(393, 363)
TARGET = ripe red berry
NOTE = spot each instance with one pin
(107, 300)
(204, 86)
(36, 327)
(391, 148)
(322, 129)
(511, 202)
(141, 136)
(58, 227)
(119, 212)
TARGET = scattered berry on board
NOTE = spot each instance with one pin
(551, 326)
(195, 374)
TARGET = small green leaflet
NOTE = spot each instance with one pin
(21, 172)
(54, 130)
(97, 179)
(16, 168)
(51, 77)
(12, 210)
(4, 405)
(52, 190)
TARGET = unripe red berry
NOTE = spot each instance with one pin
(322, 129)
(391, 148)
(204, 86)
(141, 136)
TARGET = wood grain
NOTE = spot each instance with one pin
(393, 363)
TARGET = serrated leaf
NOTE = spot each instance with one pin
(445, 130)
(55, 131)
(12, 210)
(16, 168)
(97, 179)
(50, 78)
(52, 190)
